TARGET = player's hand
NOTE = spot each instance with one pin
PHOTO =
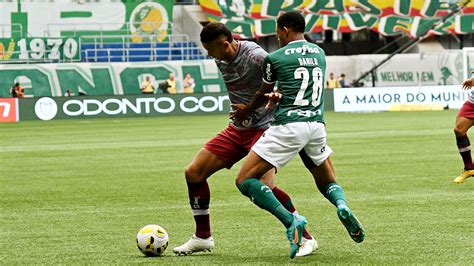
(273, 99)
(240, 112)
(468, 84)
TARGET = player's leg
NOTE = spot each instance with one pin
(325, 179)
(316, 157)
(248, 139)
(274, 149)
(204, 164)
(249, 183)
(269, 179)
(261, 195)
(222, 151)
(461, 127)
(308, 244)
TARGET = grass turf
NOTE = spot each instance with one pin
(77, 191)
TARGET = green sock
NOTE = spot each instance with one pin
(335, 194)
(262, 196)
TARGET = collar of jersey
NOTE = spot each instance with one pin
(235, 56)
(296, 41)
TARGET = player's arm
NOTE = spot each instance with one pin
(242, 111)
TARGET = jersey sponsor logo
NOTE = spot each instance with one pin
(306, 113)
(305, 49)
(9, 110)
(239, 86)
(256, 59)
(268, 72)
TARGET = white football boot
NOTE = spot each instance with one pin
(307, 247)
(195, 244)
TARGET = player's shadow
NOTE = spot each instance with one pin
(171, 256)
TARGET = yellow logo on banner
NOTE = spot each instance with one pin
(2, 49)
(7, 54)
(149, 23)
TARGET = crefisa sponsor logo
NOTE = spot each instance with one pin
(46, 108)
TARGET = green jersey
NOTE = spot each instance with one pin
(299, 68)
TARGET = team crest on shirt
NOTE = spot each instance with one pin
(240, 69)
(247, 122)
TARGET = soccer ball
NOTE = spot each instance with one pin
(152, 240)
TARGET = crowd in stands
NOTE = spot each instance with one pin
(169, 86)
(17, 91)
(332, 82)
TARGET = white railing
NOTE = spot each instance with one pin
(126, 40)
(56, 29)
(10, 28)
(123, 53)
(186, 52)
(126, 54)
(186, 2)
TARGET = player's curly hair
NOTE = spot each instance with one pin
(214, 30)
(292, 20)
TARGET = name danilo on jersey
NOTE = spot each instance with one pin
(308, 61)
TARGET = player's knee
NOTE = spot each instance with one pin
(459, 131)
(193, 174)
(268, 180)
(238, 181)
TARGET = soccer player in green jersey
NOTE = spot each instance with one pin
(299, 68)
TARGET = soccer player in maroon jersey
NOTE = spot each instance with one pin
(464, 121)
(240, 63)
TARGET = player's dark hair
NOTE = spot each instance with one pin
(214, 30)
(292, 20)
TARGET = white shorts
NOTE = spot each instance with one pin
(279, 144)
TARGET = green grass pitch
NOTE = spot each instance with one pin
(77, 192)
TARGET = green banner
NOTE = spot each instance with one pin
(40, 49)
(47, 108)
(106, 78)
(427, 69)
(139, 18)
(50, 108)
(388, 17)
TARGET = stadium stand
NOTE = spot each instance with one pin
(112, 48)
(100, 50)
(131, 52)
